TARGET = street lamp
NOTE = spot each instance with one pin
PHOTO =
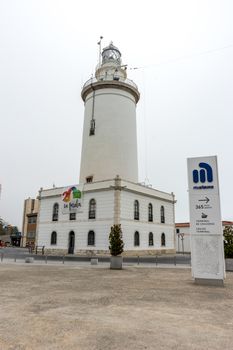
(181, 236)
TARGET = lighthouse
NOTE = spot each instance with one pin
(109, 145)
(77, 218)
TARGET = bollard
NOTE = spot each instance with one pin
(46, 259)
(29, 259)
(15, 258)
(63, 259)
(2, 256)
(156, 260)
(138, 259)
(175, 260)
(94, 261)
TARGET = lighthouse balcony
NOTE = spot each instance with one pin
(110, 82)
(110, 78)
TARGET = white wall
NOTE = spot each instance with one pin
(105, 218)
(129, 225)
(113, 149)
(81, 226)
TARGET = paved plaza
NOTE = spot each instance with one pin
(92, 307)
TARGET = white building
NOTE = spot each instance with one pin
(78, 219)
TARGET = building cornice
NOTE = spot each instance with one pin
(110, 84)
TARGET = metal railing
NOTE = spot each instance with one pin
(126, 81)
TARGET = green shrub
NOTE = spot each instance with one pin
(116, 244)
(228, 242)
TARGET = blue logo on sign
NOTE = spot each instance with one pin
(205, 174)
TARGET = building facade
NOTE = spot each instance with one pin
(77, 219)
(146, 217)
(30, 212)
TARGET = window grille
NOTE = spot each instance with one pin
(72, 216)
(151, 239)
(92, 209)
(91, 238)
(163, 240)
(162, 214)
(55, 212)
(53, 238)
(136, 210)
(92, 127)
(136, 239)
(150, 212)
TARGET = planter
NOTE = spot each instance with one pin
(116, 262)
(229, 264)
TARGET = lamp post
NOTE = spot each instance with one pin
(181, 236)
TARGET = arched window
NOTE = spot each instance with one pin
(91, 238)
(162, 214)
(163, 240)
(71, 242)
(53, 238)
(136, 210)
(92, 209)
(151, 239)
(55, 212)
(136, 239)
(150, 212)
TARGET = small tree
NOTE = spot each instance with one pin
(116, 244)
(228, 242)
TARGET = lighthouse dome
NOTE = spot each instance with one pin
(111, 54)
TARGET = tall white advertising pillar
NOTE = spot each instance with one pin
(207, 253)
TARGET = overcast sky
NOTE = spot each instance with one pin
(48, 49)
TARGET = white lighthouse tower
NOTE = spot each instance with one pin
(77, 219)
(109, 145)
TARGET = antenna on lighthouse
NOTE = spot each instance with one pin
(99, 43)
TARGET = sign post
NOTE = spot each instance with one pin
(207, 251)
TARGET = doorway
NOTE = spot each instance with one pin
(71, 242)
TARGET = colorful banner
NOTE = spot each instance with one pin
(71, 200)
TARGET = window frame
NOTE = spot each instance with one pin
(91, 239)
(92, 209)
(162, 214)
(72, 216)
(136, 210)
(55, 215)
(151, 239)
(136, 239)
(150, 212)
(53, 238)
(163, 239)
(89, 179)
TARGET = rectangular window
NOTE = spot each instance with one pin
(32, 219)
(72, 216)
(92, 127)
(177, 230)
(89, 179)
